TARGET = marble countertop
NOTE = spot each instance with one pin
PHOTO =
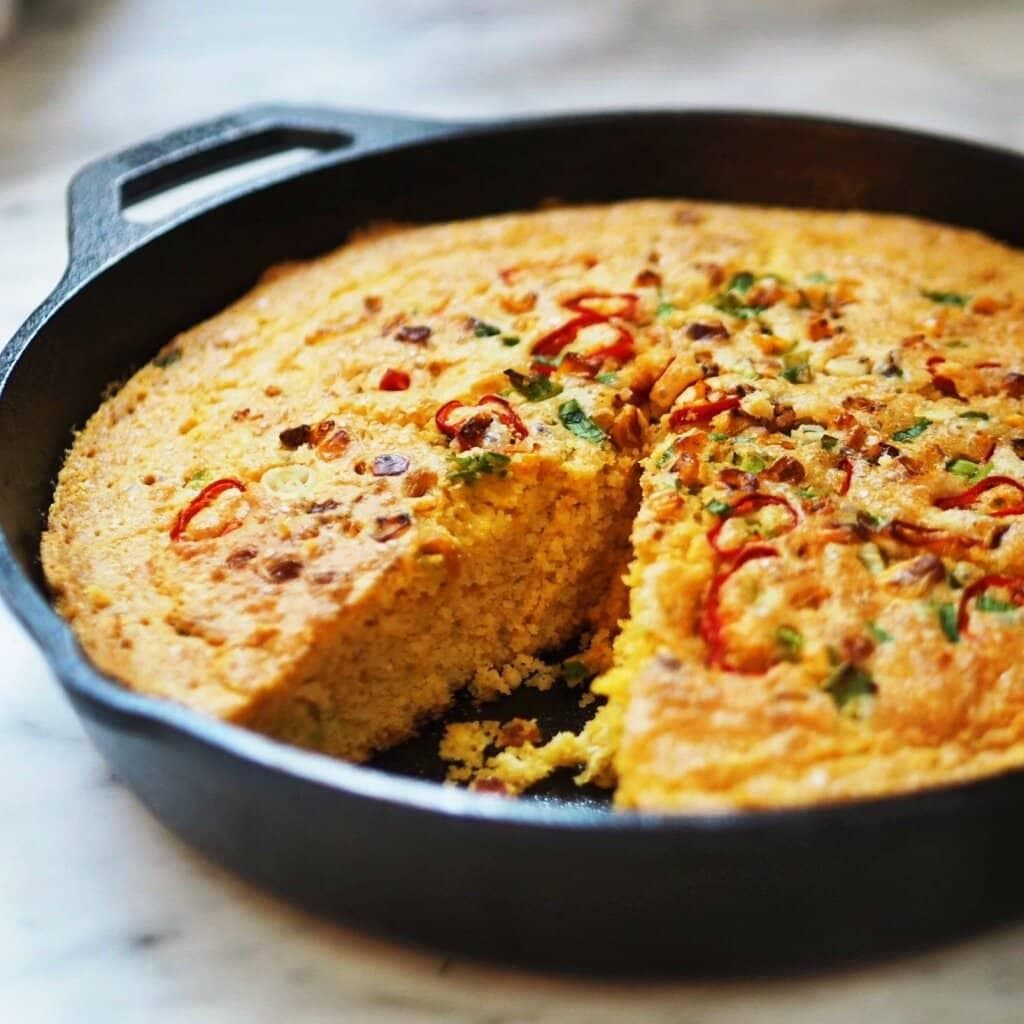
(107, 917)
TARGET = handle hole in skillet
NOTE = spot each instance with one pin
(158, 193)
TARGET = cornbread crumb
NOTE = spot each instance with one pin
(465, 744)
(492, 681)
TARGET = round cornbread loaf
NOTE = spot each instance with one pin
(402, 467)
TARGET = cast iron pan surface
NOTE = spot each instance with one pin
(557, 881)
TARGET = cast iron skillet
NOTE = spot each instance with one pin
(553, 883)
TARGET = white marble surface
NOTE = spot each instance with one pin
(103, 916)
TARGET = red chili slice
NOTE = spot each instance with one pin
(394, 380)
(506, 414)
(846, 465)
(711, 625)
(589, 365)
(749, 503)
(701, 412)
(206, 497)
(443, 417)
(1014, 584)
(971, 495)
(555, 342)
(621, 350)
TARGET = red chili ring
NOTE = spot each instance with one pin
(553, 343)
(621, 350)
(711, 625)
(441, 417)
(506, 414)
(846, 465)
(971, 495)
(1015, 584)
(749, 503)
(556, 341)
(701, 412)
(204, 498)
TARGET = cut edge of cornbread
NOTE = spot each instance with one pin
(533, 605)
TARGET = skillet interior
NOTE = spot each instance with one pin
(546, 883)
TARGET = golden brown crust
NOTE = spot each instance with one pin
(821, 606)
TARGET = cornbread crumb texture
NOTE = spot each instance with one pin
(412, 464)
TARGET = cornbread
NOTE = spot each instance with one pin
(829, 551)
(320, 512)
(412, 464)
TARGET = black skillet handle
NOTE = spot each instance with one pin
(98, 230)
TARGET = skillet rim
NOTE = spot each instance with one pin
(141, 714)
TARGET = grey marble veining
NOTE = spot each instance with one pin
(103, 915)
